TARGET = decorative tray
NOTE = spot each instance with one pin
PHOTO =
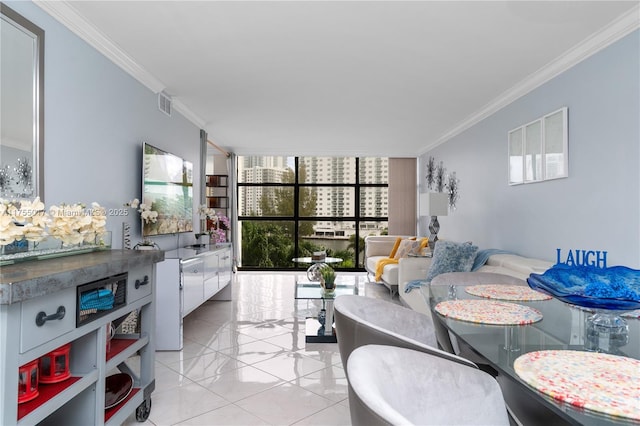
(615, 288)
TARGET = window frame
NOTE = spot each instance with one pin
(517, 147)
(357, 219)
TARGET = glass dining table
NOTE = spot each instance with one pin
(562, 328)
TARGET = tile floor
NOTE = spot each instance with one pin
(245, 362)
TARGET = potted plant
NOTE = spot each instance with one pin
(328, 278)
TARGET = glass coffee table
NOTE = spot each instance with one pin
(320, 329)
(313, 272)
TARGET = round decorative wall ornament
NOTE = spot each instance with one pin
(431, 172)
(453, 190)
(440, 177)
(23, 173)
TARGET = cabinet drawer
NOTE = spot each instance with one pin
(139, 283)
(32, 334)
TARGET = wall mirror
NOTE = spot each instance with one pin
(538, 150)
(22, 107)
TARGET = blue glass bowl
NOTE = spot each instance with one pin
(615, 288)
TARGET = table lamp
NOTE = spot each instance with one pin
(434, 204)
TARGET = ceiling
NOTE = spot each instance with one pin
(366, 78)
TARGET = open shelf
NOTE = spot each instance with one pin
(46, 393)
(53, 396)
(80, 399)
(109, 413)
(122, 349)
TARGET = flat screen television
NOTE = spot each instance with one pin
(168, 188)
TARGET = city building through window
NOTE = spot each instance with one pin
(291, 207)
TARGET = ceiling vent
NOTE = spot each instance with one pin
(164, 103)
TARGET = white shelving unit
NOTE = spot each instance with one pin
(186, 279)
(80, 399)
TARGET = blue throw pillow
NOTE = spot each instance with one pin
(451, 257)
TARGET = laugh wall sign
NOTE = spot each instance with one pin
(594, 258)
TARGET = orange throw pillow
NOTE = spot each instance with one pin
(395, 247)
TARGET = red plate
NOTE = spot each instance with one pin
(117, 388)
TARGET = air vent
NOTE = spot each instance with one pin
(164, 103)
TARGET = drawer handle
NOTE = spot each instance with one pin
(143, 282)
(42, 317)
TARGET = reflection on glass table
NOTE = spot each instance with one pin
(313, 272)
(563, 327)
(320, 328)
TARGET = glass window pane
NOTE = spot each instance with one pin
(266, 244)
(327, 170)
(266, 169)
(326, 198)
(330, 201)
(374, 170)
(265, 201)
(371, 227)
(336, 238)
(515, 157)
(554, 145)
(374, 202)
(533, 152)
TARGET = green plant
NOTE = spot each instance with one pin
(328, 275)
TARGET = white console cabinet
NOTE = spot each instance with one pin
(186, 279)
(40, 312)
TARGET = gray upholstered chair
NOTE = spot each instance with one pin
(399, 386)
(363, 320)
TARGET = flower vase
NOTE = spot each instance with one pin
(328, 288)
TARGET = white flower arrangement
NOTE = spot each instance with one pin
(70, 223)
(206, 212)
(147, 215)
(14, 221)
(218, 234)
(73, 224)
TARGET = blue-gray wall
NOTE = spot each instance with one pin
(96, 118)
(597, 207)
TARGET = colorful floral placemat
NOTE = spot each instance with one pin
(599, 382)
(506, 292)
(488, 312)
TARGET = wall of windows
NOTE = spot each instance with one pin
(292, 206)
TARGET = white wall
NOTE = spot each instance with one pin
(96, 118)
(597, 207)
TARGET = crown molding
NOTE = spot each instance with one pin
(71, 19)
(622, 26)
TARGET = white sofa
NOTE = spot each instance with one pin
(379, 247)
(396, 276)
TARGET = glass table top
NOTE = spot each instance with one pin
(306, 289)
(561, 328)
(311, 260)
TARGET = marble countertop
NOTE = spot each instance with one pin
(35, 278)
